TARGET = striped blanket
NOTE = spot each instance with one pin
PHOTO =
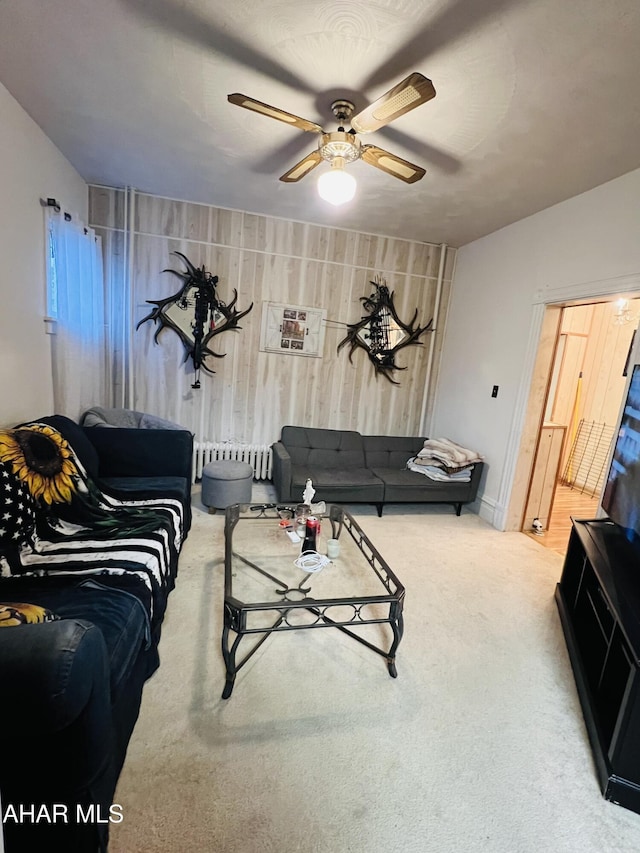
(55, 521)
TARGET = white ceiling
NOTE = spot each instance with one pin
(537, 100)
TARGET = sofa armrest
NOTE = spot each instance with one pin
(124, 452)
(51, 671)
(58, 740)
(282, 471)
(476, 475)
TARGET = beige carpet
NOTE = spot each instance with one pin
(478, 745)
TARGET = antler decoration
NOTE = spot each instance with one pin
(381, 333)
(210, 314)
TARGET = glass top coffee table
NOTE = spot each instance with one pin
(265, 591)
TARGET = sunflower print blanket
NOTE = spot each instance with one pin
(56, 521)
(17, 613)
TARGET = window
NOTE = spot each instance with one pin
(75, 300)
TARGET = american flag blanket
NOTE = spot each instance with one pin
(56, 521)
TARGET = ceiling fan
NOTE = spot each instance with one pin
(344, 146)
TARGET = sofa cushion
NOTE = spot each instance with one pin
(123, 621)
(323, 448)
(339, 485)
(404, 486)
(128, 488)
(140, 452)
(390, 451)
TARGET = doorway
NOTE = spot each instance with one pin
(585, 386)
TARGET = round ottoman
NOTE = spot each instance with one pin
(226, 482)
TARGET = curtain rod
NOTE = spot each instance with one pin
(51, 202)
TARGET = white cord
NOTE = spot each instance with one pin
(311, 561)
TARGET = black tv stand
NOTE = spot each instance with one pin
(598, 599)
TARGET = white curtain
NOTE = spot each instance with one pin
(76, 304)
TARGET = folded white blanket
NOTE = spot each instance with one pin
(436, 473)
(451, 454)
(427, 460)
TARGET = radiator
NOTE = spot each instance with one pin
(259, 456)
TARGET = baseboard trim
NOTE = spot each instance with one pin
(486, 508)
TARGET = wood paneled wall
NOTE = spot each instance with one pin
(604, 361)
(253, 393)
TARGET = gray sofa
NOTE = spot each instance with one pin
(347, 467)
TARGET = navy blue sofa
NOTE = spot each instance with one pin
(72, 687)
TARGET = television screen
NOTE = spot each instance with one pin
(621, 497)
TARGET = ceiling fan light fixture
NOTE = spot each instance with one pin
(339, 144)
(337, 186)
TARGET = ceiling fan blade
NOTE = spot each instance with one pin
(302, 168)
(414, 90)
(392, 165)
(273, 112)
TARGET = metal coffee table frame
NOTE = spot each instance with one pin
(236, 611)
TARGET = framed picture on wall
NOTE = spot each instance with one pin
(292, 329)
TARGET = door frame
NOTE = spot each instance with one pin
(547, 306)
